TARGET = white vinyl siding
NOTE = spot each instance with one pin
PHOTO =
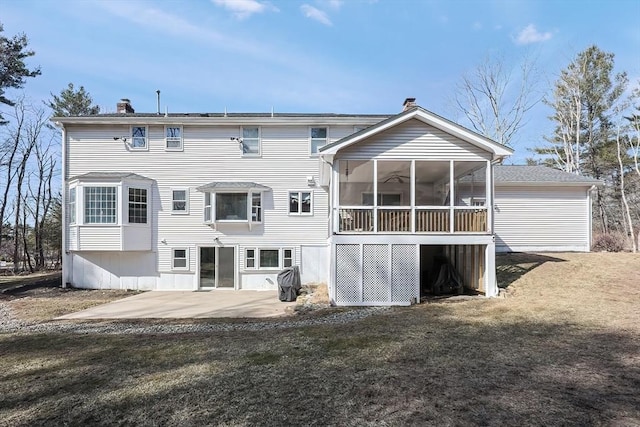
(414, 140)
(533, 218)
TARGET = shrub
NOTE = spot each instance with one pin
(608, 243)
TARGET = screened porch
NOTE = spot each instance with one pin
(412, 196)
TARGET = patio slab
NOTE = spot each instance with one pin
(189, 305)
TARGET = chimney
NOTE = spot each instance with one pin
(409, 103)
(124, 107)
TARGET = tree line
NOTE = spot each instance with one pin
(30, 199)
(595, 113)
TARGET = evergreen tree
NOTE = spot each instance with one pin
(72, 102)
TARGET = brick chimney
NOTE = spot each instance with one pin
(124, 107)
(409, 103)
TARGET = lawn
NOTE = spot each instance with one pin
(562, 348)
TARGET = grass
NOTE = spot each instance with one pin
(563, 348)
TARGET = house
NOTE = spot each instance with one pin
(369, 204)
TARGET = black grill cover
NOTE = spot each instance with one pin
(289, 283)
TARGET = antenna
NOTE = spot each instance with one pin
(225, 111)
(166, 111)
(272, 111)
(158, 93)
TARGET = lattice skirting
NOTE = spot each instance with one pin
(370, 274)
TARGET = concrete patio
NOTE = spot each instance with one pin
(195, 305)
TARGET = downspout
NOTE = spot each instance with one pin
(590, 216)
(63, 252)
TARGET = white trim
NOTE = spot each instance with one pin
(166, 138)
(328, 139)
(173, 258)
(146, 138)
(432, 120)
(300, 213)
(242, 137)
(186, 204)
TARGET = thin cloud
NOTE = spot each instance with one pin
(242, 9)
(315, 14)
(334, 4)
(531, 35)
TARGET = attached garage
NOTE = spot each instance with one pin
(537, 208)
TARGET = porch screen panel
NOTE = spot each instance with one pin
(375, 273)
(403, 273)
(348, 269)
(356, 181)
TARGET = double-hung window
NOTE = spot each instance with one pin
(139, 137)
(180, 259)
(71, 206)
(250, 141)
(173, 138)
(100, 205)
(180, 201)
(300, 203)
(137, 206)
(318, 139)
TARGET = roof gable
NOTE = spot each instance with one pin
(427, 117)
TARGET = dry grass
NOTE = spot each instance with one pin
(562, 349)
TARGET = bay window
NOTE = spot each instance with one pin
(233, 207)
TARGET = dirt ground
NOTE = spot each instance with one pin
(561, 348)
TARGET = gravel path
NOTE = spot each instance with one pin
(9, 324)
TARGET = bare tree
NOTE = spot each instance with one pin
(494, 101)
(621, 149)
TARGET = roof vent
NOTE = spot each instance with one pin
(408, 103)
(124, 107)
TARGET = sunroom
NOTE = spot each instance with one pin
(412, 196)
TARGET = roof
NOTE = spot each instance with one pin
(222, 118)
(110, 176)
(425, 116)
(217, 185)
(542, 175)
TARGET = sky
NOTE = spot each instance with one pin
(310, 56)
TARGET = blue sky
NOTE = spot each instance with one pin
(351, 56)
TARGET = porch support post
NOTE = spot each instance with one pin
(332, 272)
(451, 196)
(335, 197)
(412, 213)
(375, 195)
(489, 191)
(490, 284)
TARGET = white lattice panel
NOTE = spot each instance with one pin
(348, 274)
(375, 273)
(403, 273)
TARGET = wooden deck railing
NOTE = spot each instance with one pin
(432, 220)
(399, 220)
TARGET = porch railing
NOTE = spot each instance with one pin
(407, 220)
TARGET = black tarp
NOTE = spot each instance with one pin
(448, 281)
(289, 283)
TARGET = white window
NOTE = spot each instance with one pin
(250, 141)
(180, 201)
(180, 259)
(233, 207)
(100, 205)
(71, 206)
(139, 137)
(300, 203)
(318, 139)
(173, 138)
(137, 206)
(269, 258)
(207, 207)
(287, 257)
(250, 258)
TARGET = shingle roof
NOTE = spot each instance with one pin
(217, 185)
(538, 174)
(110, 175)
(259, 115)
